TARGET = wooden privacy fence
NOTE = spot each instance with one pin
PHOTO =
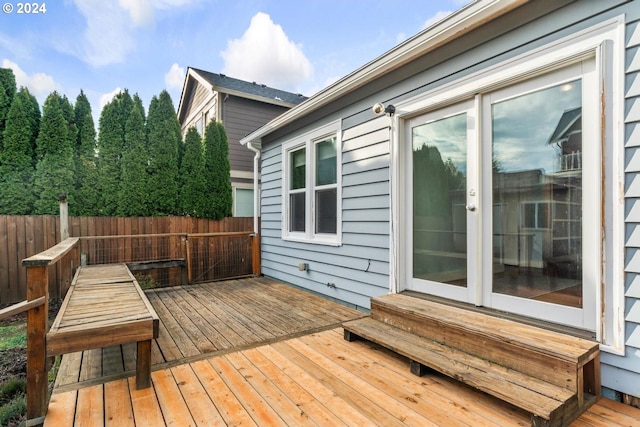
(24, 236)
(176, 258)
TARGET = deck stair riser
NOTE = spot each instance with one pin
(549, 356)
(551, 375)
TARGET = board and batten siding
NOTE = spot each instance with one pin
(195, 100)
(359, 268)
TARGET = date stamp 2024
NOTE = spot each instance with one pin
(32, 8)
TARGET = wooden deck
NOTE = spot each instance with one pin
(255, 352)
(201, 320)
(317, 379)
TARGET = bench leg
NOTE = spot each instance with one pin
(143, 365)
(350, 336)
(418, 368)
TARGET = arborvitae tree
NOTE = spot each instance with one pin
(86, 191)
(111, 138)
(17, 158)
(54, 170)
(192, 181)
(7, 92)
(164, 140)
(211, 135)
(133, 181)
(220, 198)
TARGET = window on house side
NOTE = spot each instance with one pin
(311, 175)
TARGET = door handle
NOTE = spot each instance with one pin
(471, 207)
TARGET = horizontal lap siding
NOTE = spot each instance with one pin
(241, 117)
(618, 373)
(359, 268)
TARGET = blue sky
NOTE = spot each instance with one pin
(104, 46)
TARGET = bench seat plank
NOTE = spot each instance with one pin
(104, 307)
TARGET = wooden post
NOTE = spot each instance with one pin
(37, 318)
(255, 255)
(37, 378)
(184, 246)
(64, 217)
(188, 258)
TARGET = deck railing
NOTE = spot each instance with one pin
(178, 258)
(201, 254)
(65, 257)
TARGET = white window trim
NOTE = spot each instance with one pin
(307, 140)
(605, 41)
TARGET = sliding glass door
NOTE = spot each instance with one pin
(498, 215)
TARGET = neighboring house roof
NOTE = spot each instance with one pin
(244, 89)
(475, 15)
(566, 125)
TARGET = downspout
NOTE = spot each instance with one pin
(256, 186)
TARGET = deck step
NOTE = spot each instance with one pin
(553, 376)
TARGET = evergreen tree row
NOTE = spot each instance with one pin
(137, 165)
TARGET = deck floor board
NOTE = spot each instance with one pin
(279, 358)
(316, 379)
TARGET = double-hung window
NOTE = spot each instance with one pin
(311, 191)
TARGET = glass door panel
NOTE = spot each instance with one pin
(537, 195)
(439, 164)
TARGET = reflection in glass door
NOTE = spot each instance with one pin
(537, 179)
(439, 164)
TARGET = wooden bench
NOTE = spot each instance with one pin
(553, 376)
(104, 307)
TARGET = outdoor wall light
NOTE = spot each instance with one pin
(379, 108)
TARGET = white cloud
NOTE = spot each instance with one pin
(174, 78)
(39, 84)
(439, 16)
(140, 11)
(108, 38)
(265, 54)
(107, 97)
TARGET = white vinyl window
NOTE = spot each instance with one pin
(311, 202)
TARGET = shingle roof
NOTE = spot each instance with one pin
(225, 82)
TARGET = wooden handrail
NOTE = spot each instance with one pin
(187, 235)
(21, 307)
(52, 254)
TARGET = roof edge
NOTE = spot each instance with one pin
(452, 27)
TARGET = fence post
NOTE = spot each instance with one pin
(64, 217)
(37, 378)
(255, 255)
(186, 270)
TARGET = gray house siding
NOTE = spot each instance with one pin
(240, 117)
(365, 164)
(623, 373)
(359, 268)
(196, 99)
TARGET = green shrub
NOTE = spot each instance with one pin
(13, 402)
(13, 410)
